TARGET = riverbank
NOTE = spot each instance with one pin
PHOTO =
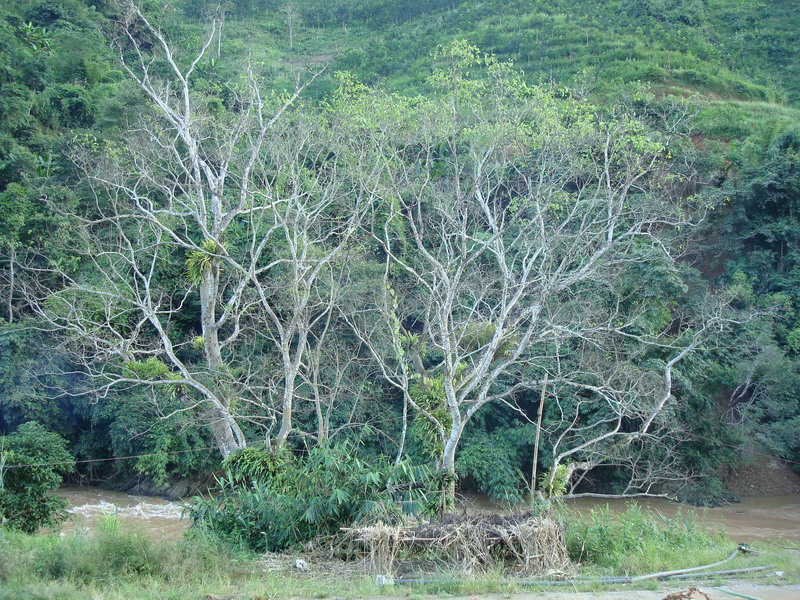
(114, 564)
(115, 561)
(117, 546)
(754, 518)
(763, 476)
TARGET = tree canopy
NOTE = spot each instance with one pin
(221, 243)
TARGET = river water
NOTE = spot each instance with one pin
(755, 518)
(156, 517)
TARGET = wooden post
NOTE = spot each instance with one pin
(536, 445)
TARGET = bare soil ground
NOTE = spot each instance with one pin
(765, 476)
(763, 592)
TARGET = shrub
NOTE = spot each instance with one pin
(26, 499)
(493, 462)
(330, 488)
(254, 464)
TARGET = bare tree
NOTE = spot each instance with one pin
(622, 414)
(292, 16)
(251, 200)
(512, 216)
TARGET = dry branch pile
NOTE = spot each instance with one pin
(472, 544)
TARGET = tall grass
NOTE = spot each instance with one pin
(109, 555)
(639, 541)
(112, 563)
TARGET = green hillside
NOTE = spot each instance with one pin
(738, 49)
(739, 58)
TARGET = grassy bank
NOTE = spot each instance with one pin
(112, 563)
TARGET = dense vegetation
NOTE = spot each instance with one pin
(266, 506)
(115, 563)
(313, 300)
(27, 501)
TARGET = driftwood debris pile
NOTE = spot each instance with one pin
(472, 544)
(693, 593)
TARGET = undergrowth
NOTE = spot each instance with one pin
(262, 505)
(114, 564)
(639, 541)
(109, 554)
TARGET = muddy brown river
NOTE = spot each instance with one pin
(755, 518)
(158, 518)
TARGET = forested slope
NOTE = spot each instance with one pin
(66, 100)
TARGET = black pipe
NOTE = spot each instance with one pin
(581, 580)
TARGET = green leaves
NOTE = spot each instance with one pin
(26, 499)
(618, 541)
(257, 465)
(495, 455)
(200, 262)
(151, 369)
(328, 489)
